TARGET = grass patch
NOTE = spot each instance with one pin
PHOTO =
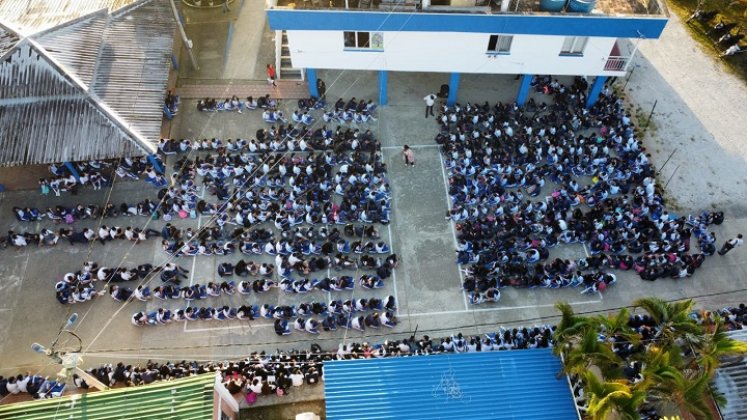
(730, 11)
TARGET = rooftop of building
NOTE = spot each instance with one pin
(654, 8)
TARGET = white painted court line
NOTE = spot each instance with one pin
(194, 258)
(394, 274)
(503, 308)
(453, 230)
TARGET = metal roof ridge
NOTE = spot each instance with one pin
(64, 25)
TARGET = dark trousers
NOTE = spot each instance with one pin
(429, 108)
(726, 248)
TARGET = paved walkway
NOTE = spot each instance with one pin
(699, 116)
(287, 89)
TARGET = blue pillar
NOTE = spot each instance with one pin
(596, 89)
(72, 170)
(153, 161)
(526, 81)
(383, 80)
(453, 89)
(311, 77)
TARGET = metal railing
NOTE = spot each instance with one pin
(614, 63)
(522, 7)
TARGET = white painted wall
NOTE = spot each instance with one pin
(449, 52)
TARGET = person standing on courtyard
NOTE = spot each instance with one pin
(429, 101)
(271, 75)
(321, 89)
(408, 155)
(731, 244)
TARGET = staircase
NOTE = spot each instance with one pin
(283, 63)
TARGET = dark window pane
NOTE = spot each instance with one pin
(493, 42)
(363, 40)
(349, 39)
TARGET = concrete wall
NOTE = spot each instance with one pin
(449, 52)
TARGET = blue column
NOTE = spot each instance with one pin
(72, 170)
(526, 81)
(153, 161)
(453, 89)
(383, 80)
(311, 78)
(596, 89)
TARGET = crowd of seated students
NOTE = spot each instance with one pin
(80, 286)
(60, 214)
(263, 373)
(523, 180)
(36, 386)
(235, 104)
(100, 174)
(50, 237)
(310, 316)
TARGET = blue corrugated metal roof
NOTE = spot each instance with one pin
(493, 385)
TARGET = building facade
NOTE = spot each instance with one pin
(513, 37)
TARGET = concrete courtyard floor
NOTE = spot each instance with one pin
(427, 282)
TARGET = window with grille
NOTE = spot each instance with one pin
(500, 44)
(574, 45)
(372, 41)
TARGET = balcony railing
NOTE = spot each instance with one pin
(523, 7)
(616, 63)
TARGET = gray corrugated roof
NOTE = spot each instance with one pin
(8, 38)
(32, 16)
(76, 44)
(133, 68)
(91, 88)
(731, 380)
(46, 117)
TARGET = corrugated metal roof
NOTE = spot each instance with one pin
(188, 398)
(493, 385)
(731, 380)
(45, 116)
(92, 88)
(8, 38)
(76, 44)
(133, 67)
(31, 16)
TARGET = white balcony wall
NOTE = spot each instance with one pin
(449, 52)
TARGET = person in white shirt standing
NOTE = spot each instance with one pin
(731, 244)
(430, 100)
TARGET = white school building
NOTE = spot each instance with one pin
(596, 39)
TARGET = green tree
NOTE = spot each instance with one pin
(607, 397)
(673, 321)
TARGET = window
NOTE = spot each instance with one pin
(574, 45)
(364, 40)
(500, 44)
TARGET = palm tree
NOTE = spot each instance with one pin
(607, 397)
(617, 326)
(590, 351)
(570, 328)
(715, 345)
(673, 320)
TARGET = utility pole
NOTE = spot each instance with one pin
(69, 359)
(187, 42)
